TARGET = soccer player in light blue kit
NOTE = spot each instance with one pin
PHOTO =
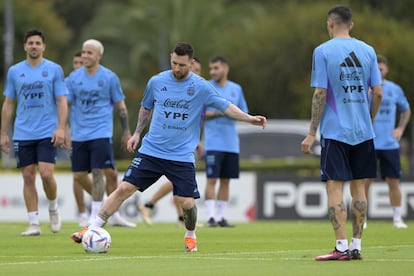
(343, 71)
(221, 144)
(94, 91)
(175, 100)
(37, 84)
(387, 139)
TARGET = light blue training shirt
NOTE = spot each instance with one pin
(220, 133)
(177, 107)
(347, 68)
(393, 100)
(35, 89)
(92, 98)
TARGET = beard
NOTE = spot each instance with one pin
(34, 54)
(179, 75)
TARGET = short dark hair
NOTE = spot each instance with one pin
(341, 14)
(219, 59)
(33, 33)
(78, 54)
(196, 59)
(382, 59)
(184, 49)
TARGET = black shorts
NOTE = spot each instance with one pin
(222, 164)
(389, 163)
(30, 152)
(92, 154)
(145, 170)
(341, 161)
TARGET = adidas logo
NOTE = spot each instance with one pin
(164, 88)
(351, 61)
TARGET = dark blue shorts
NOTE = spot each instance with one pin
(33, 151)
(222, 164)
(92, 154)
(145, 170)
(389, 163)
(340, 161)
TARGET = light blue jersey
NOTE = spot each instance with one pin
(220, 133)
(347, 68)
(177, 109)
(393, 100)
(92, 99)
(35, 89)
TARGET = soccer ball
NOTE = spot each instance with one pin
(96, 240)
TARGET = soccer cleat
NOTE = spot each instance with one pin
(55, 221)
(356, 254)
(212, 223)
(335, 255)
(400, 224)
(146, 214)
(224, 223)
(190, 244)
(32, 230)
(77, 236)
(121, 222)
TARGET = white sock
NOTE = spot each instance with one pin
(210, 207)
(221, 208)
(116, 215)
(397, 213)
(33, 217)
(97, 222)
(53, 205)
(342, 245)
(355, 244)
(190, 234)
(83, 215)
(95, 207)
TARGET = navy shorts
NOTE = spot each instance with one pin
(145, 170)
(389, 163)
(341, 161)
(92, 154)
(222, 164)
(33, 151)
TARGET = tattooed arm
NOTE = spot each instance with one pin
(123, 118)
(318, 104)
(402, 123)
(143, 120)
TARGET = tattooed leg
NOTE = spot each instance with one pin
(359, 207)
(190, 218)
(336, 208)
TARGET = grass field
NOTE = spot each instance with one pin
(259, 248)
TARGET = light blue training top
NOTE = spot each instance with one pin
(347, 68)
(35, 89)
(220, 133)
(92, 98)
(393, 100)
(177, 107)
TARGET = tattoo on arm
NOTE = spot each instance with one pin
(404, 118)
(143, 119)
(123, 118)
(318, 104)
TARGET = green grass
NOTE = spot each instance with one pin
(259, 248)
